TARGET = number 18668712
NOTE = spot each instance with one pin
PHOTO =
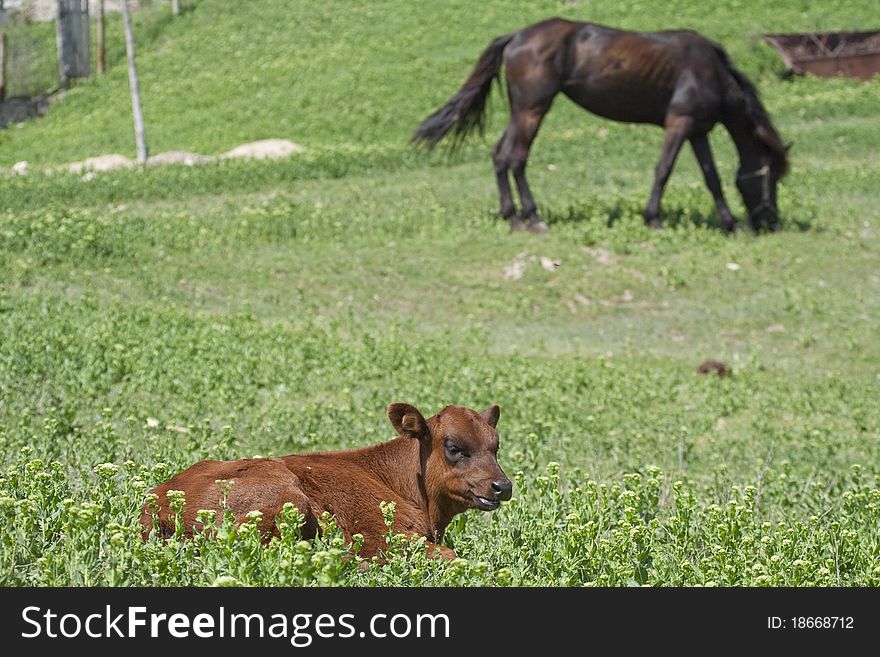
(810, 623)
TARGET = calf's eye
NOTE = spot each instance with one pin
(454, 452)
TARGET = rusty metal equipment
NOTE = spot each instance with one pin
(826, 54)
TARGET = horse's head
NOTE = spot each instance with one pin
(757, 182)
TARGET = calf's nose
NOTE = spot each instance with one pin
(503, 488)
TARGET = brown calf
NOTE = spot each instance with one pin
(434, 470)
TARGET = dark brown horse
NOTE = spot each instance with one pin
(675, 79)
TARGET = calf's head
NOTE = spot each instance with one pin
(459, 455)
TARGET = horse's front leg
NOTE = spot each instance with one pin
(677, 130)
(703, 152)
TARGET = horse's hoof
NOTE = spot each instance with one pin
(538, 227)
(517, 225)
(654, 223)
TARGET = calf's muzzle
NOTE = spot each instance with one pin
(503, 489)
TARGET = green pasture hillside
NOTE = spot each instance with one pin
(351, 75)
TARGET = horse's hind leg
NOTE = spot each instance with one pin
(701, 148)
(532, 82)
(502, 177)
(677, 130)
(510, 155)
(524, 126)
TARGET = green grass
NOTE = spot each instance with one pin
(276, 307)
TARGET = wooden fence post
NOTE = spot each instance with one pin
(102, 54)
(139, 130)
(175, 7)
(2, 66)
(61, 45)
(72, 29)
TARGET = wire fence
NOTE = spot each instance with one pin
(31, 61)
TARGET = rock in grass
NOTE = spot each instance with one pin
(179, 157)
(265, 149)
(708, 366)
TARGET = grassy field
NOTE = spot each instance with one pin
(150, 319)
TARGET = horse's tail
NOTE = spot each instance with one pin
(465, 111)
(757, 114)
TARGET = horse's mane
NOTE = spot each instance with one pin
(758, 115)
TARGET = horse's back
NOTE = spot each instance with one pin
(619, 74)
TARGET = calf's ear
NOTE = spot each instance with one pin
(492, 414)
(408, 421)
